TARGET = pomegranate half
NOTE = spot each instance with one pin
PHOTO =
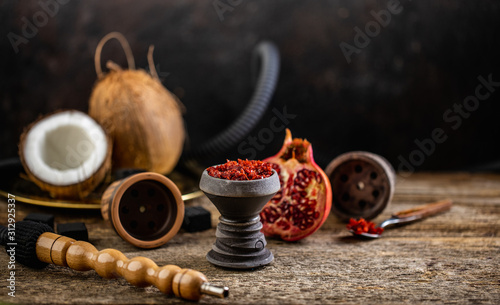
(304, 200)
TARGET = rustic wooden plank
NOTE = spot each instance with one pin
(449, 258)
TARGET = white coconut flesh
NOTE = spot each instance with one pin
(65, 148)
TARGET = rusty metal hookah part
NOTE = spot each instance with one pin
(362, 184)
(239, 243)
(145, 209)
(36, 246)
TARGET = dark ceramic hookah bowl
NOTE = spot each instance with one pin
(239, 243)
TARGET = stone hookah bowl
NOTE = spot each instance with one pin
(239, 243)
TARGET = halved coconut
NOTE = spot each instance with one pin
(66, 153)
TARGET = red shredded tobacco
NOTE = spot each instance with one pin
(241, 170)
(363, 226)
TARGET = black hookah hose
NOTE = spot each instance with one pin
(268, 55)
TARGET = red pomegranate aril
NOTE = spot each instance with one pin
(303, 203)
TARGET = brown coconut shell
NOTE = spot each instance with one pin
(143, 118)
(73, 191)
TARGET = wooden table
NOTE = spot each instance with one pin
(450, 258)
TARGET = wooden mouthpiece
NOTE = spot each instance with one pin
(138, 271)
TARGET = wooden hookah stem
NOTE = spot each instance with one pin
(138, 271)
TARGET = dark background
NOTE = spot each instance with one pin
(393, 92)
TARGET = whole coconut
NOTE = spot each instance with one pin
(143, 118)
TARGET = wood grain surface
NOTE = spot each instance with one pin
(450, 258)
